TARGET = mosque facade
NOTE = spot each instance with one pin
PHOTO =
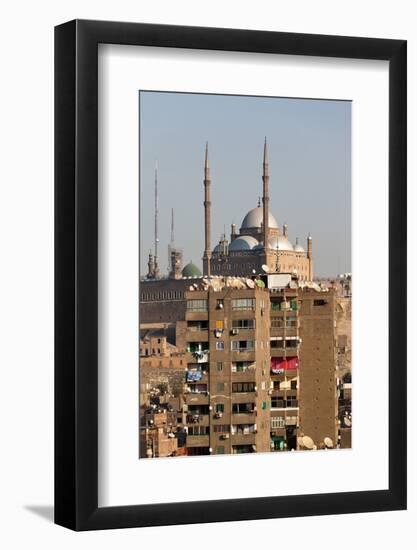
(259, 245)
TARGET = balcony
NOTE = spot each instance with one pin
(196, 398)
(197, 354)
(243, 354)
(191, 315)
(243, 439)
(246, 375)
(278, 394)
(292, 351)
(244, 418)
(197, 336)
(198, 441)
(198, 419)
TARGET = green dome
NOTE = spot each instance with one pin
(191, 270)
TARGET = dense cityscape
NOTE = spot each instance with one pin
(251, 354)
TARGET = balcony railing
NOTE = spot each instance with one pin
(198, 441)
(200, 419)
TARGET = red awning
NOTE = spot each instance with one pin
(281, 364)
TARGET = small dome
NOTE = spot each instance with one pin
(298, 247)
(254, 218)
(191, 270)
(280, 243)
(245, 242)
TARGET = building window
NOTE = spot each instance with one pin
(320, 302)
(243, 304)
(220, 450)
(291, 343)
(196, 347)
(198, 430)
(293, 384)
(219, 407)
(220, 304)
(220, 345)
(277, 422)
(243, 345)
(242, 366)
(243, 408)
(220, 386)
(243, 323)
(243, 429)
(241, 387)
(219, 366)
(277, 344)
(221, 428)
(277, 402)
(196, 305)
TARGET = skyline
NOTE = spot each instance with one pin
(309, 157)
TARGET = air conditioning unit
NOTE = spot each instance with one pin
(218, 415)
(235, 331)
(224, 436)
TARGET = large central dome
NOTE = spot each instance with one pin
(254, 218)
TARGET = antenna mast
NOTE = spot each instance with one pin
(156, 267)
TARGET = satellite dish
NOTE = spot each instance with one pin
(328, 442)
(195, 285)
(250, 283)
(191, 287)
(308, 443)
(348, 423)
(300, 441)
(265, 268)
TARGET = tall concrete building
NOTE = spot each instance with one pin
(285, 367)
(228, 371)
(318, 391)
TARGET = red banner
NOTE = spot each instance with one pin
(281, 364)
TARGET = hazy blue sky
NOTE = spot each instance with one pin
(310, 170)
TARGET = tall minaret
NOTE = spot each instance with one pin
(171, 243)
(265, 197)
(150, 274)
(207, 216)
(155, 262)
(310, 257)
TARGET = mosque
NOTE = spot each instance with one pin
(260, 241)
(260, 245)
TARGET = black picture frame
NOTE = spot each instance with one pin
(76, 272)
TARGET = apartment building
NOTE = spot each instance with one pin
(284, 350)
(227, 396)
(317, 376)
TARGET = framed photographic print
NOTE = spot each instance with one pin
(230, 275)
